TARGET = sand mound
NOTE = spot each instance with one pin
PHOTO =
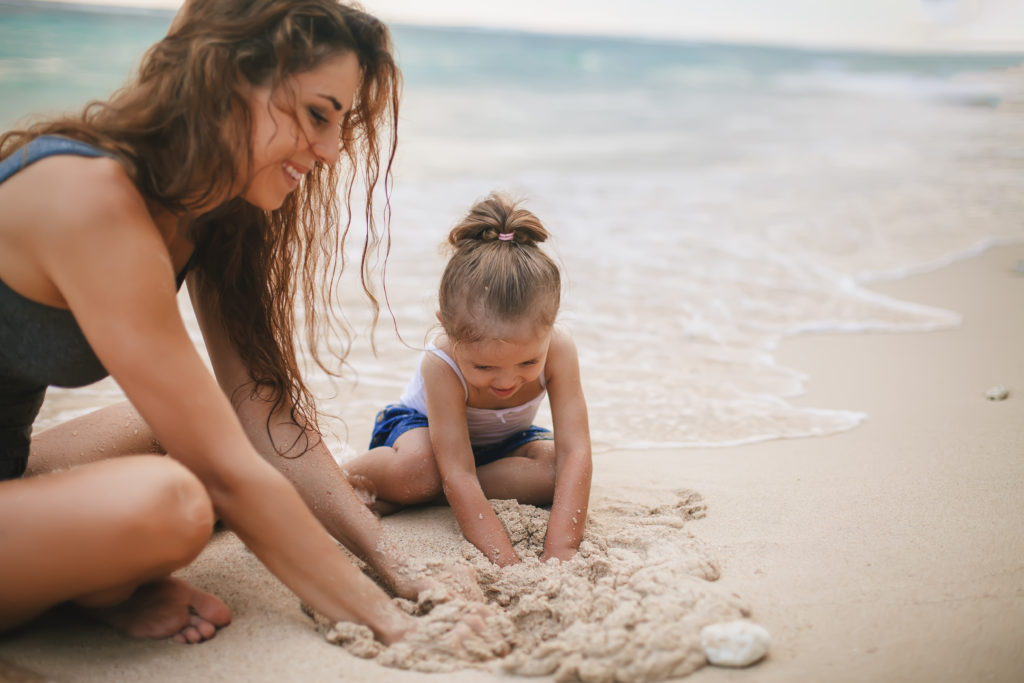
(629, 607)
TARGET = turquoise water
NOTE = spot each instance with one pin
(706, 201)
(53, 59)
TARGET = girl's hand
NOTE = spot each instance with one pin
(573, 464)
(563, 553)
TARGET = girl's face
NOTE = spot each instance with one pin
(285, 146)
(500, 368)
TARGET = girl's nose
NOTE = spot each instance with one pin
(505, 380)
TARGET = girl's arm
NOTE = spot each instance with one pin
(109, 262)
(308, 463)
(573, 467)
(449, 438)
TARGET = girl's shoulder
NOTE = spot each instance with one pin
(562, 354)
(437, 360)
(440, 343)
(562, 341)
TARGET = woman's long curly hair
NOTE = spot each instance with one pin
(183, 129)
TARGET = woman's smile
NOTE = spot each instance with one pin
(294, 172)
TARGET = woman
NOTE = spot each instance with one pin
(218, 165)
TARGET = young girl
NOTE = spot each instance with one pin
(464, 424)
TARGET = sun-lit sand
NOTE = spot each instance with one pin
(888, 552)
(700, 225)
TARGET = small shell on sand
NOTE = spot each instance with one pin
(735, 643)
(997, 393)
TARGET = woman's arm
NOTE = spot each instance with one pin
(449, 438)
(306, 462)
(573, 466)
(108, 260)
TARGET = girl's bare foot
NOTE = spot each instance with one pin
(168, 608)
(366, 491)
(364, 488)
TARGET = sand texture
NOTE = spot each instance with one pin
(890, 552)
(628, 607)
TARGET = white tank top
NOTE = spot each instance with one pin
(486, 425)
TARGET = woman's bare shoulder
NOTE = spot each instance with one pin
(60, 195)
(63, 210)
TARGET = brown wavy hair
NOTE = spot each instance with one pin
(182, 129)
(497, 275)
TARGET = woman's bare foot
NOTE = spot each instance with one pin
(168, 608)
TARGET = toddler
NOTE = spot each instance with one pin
(464, 425)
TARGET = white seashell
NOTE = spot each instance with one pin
(735, 643)
(997, 393)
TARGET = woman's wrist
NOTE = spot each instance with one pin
(394, 627)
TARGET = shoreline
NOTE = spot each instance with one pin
(887, 552)
(892, 551)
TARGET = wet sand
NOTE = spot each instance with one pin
(894, 551)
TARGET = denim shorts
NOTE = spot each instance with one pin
(397, 419)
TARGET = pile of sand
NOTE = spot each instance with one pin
(629, 606)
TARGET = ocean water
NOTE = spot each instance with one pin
(706, 201)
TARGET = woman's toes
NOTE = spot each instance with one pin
(211, 609)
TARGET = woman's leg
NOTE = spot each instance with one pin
(109, 432)
(405, 474)
(106, 536)
(527, 475)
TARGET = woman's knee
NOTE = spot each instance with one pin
(171, 509)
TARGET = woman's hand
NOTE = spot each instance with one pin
(462, 631)
(454, 581)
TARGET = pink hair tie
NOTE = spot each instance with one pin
(506, 236)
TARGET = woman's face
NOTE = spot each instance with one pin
(285, 146)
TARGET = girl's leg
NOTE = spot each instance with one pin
(106, 536)
(527, 475)
(405, 474)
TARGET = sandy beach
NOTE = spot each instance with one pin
(787, 323)
(894, 551)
